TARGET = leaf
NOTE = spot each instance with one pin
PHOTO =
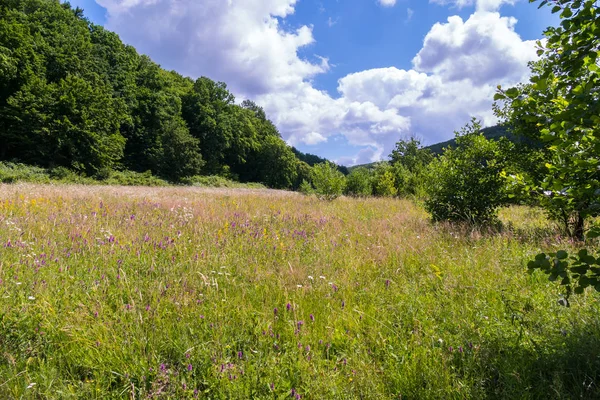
(561, 254)
(512, 93)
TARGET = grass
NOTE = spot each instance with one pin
(202, 293)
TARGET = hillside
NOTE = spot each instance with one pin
(74, 96)
(493, 132)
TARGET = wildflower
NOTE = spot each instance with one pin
(275, 311)
(300, 323)
(321, 277)
(31, 298)
(189, 367)
(343, 304)
(311, 278)
(240, 355)
(312, 317)
(288, 306)
(387, 283)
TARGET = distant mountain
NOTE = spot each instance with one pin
(493, 132)
(313, 160)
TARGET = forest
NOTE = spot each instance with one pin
(74, 96)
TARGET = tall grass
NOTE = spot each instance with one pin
(203, 293)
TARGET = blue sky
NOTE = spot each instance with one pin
(342, 79)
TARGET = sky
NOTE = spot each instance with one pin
(343, 79)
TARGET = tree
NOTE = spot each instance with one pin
(562, 104)
(384, 182)
(328, 181)
(358, 183)
(465, 183)
(562, 107)
(408, 161)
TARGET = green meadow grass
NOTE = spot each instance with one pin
(128, 292)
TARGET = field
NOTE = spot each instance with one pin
(114, 292)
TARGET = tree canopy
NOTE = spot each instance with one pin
(73, 95)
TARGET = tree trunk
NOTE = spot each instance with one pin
(578, 227)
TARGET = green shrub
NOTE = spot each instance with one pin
(465, 183)
(216, 181)
(306, 188)
(15, 172)
(328, 181)
(384, 183)
(131, 178)
(358, 183)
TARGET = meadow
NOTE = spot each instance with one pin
(173, 292)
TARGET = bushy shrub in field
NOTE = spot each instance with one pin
(15, 172)
(384, 183)
(328, 181)
(131, 178)
(306, 188)
(465, 183)
(216, 181)
(358, 183)
(409, 161)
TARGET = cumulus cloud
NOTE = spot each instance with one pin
(485, 48)
(239, 42)
(247, 44)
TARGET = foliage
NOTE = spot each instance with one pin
(409, 161)
(215, 181)
(581, 270)
(465, 182)
(358, 183)
(561, 107)
(73, 95)
(306, 188)
(383, 181)
(328, 181)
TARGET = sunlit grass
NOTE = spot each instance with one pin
(113, 292)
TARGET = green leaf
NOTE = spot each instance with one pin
(567, 13)
(561, 254)
(512, 93)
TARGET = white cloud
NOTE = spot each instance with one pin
(481, 5)
(387, 3)
(239, 42)
(246, 44)
(485, 48)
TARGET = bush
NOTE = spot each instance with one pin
(465, 183)
(215, 181)
(15, 172)
(306, 188)
(358, 183)
(328, 181)
(384, 183)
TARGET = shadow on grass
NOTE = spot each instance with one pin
(566, 366)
